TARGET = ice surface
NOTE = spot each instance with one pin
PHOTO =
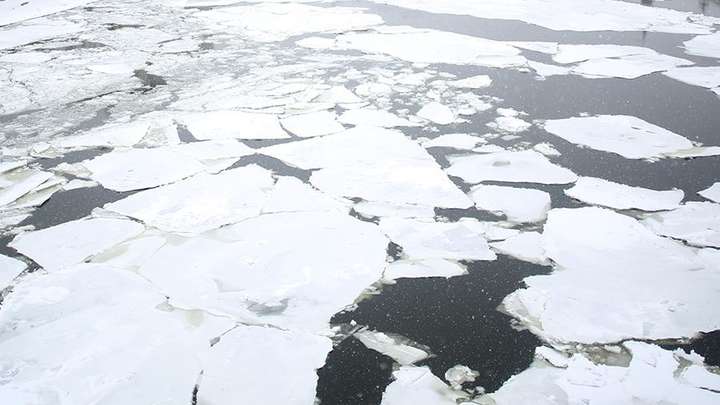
(597, 191)
(292, 195)
(418, 386)
(625, 135)
(215, 155)
(390, 346)
(459, 374)
(456, 141)
(423, 268)
(712, 193)
(703, 76)
(437, 113)
(629, 67)
(37, 30)
(523, 167)
(574, 53)
(526, 246)
(23, 183)
(233, 124)
(312, 124)
(12, 11)
(374, 164)
(9, 269)
(72, 242)
(249, 362)
(704, 45)
(96, 334)
(136, 169)
(616, 280)
(700, 377)
(291, 270)
(426, 239)
(114, 135)
(517, 204)
(474, 82)
(510, 124)
(200, 203)
(698, 223)
(375, 118)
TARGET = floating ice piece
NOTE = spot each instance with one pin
(712, 193)
(136, 169)
(200, 203)
(418, 386)
(562, 15)
(239, 366)
(9, 269)
(278, 22)
(23, 184)
(370, 209)
(292, 195)
(391, 346)
(72, 242)
(455, 141)
(424, 239)
(654, 376)
(216, 155)
(552, 356)
(431, 46)
(474, 82)
(423, 268)
(374, 118)
(546, 149)
(574, 53)
(338, 95)
(317, 43)
(57, 329)
(374, 164)
(438, 113)
(12, 11)
(77, 183)
(491, 230)
(702, 76)
(629, 67)
(633, 291)
(114, 135)
(312, 124)
(704, 45)
(625, 135)
(694, 152)
(526, 246)
(524, 167)
(517, 204)
(233, 124)
(291, 270)
(547, 70)
(459, 374)
(697, 223)
(597, 191)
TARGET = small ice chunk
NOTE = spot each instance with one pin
(546, 149)
(423, 239)
(374, 118)
(423, 268)
(547, 70)
(459, 374)
(9, 269)
(72, 242)
(312, 124)
(597, 191)
(524, 167)
(474, 82)
(22, 185)
(437, 113)
(233, 124)
(136, 169)
(697, 223)
(625, 135)
(526, 246)
(510, 124)
(418, 386)
(455, 141)
(292, 195)
(249, 361)
(517, 204)
(77, 183)
(712, 193)
(393, 347)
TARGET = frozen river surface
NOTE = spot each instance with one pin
(362, 202)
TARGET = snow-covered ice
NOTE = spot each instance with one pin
(374, 118)
(312, 124)
(597, 191)
(523, 167)
(437, 113)
(517, 204)
(698, 223)
(712, 193)
(418, 386)
(392, 346)
(9, 269)
(456, 141)
(233, 124)
(527, 246)
(702, 76)
(423, 268)
(704, 45)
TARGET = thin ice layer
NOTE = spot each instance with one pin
(523, 167)
(597, 191)
(517, 204)
(616, 280)
(625, 135)
(712, 193)
(374, 164)
(697, 223)
(72, 242)
(423, 268)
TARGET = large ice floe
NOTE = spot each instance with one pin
(521, 167)
(597, 191)
(630, 267)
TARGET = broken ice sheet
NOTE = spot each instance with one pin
(9, 269)
(704, 45)
(654, 376)
(524, 167)
(247, 363)
(630, 66)
(712, 193)
(517, 204)
(292, 195)
(233, 124)
(113, 135)
(455, 141)
(526, 246)
(419, 386)
(72, 242)
(21, 183)
(422, 268)
(437, 113)
(697, 223)
(94, 333)
(374, 164)
(702, 76)
(625, 135)
(370, 209)
(268, 270)
(396, 347)
(633, 293)
(374, 117)
(597, 191)
(427, 239)
(312, 124)
(200, 203)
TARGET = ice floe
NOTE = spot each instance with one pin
(474, 82)
(633, 290)
(517, 204)
(597, 191)
(697, 223)
(524, 167)
(702, 76)
(526, 246)
(9, 269)
(418, 386)
(424, 239)
(113, 135)
(370, 209)
(712, 193)
(459, 374)
(312, 124)
(21, 184)
(392, 346)
(72, 242)
(375, 118)
(422, 268)
(233, 124)
(628, 136)
(374, 164)
(455, 141)
(292, 195)
(704, 45)
(437, 113)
